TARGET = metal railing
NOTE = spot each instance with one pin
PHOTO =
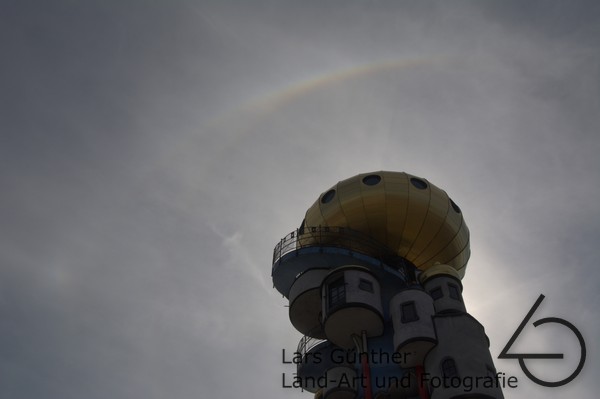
(339, 237)
(307, 343)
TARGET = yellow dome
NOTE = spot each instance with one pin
(410, 216)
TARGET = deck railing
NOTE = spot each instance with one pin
(307, 343)
(340, 237)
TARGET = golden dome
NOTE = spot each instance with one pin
(410, 216)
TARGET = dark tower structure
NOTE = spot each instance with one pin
(373, 277)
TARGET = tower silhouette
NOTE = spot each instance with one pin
(373, 277)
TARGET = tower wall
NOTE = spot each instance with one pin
(350, 273)
(446, 291)
(414, 336)
(305, 302)
(459, 359)
(351, 304)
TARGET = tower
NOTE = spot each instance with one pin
(373, 277)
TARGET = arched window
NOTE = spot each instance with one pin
(449, 369)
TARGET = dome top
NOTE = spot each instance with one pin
(410, 216)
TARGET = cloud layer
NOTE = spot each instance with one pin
(152, 155)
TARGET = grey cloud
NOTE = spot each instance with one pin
(152, 155)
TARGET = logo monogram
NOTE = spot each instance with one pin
(522, 356)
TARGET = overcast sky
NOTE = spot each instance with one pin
(152, 153)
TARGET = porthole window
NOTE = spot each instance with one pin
(455, 207)
(328, 196)
(371, 180)
(365, 285)
(418, 183)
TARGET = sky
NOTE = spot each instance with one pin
(152, 153)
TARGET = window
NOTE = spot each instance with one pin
(365, 285)
(409, 312)
(436, 293)
(328, 196)
(418, 183)
(454, 292)
(337, 293)
(449, 369)
(454, 206)
(371, 180)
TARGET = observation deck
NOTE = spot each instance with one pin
(324, 247)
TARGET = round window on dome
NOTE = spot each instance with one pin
(418, 183)
(328, 196)
(454, 206)
(371, 180)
